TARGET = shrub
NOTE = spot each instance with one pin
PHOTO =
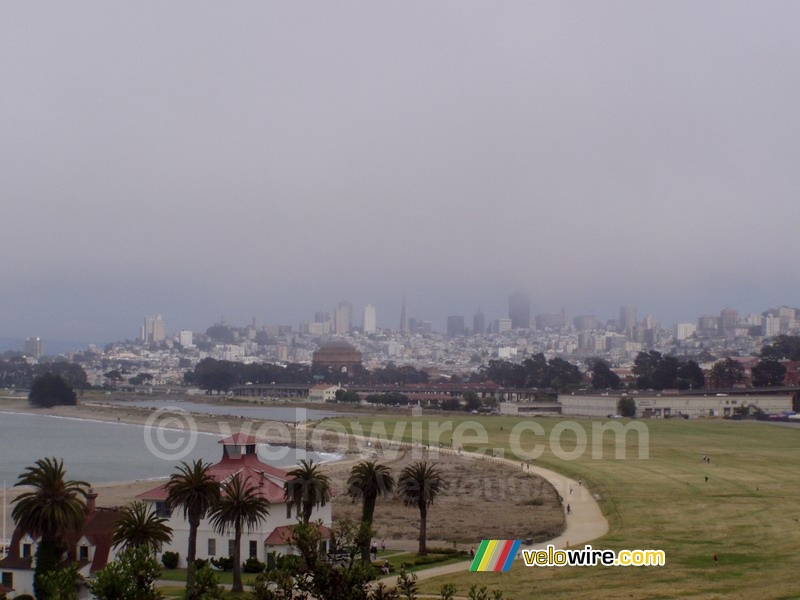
(223, 563)
(253, 565)
(169, 560)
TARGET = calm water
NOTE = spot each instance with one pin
(285, 414)
(99, 452)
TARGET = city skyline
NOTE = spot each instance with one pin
(273, 160)
(157, 327)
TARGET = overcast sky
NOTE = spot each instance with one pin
(270, 159)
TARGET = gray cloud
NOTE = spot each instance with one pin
(271, 159)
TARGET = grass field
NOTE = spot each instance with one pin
(745, 514)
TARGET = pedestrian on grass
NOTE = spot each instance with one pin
(383, 546)
(471, 552)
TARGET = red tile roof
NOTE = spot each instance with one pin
(267, 479)
(98, 528)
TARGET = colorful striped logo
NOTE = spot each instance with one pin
(495, 555)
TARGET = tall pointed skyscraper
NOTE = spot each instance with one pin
(403, 317)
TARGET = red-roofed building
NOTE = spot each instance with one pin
(90, 548)
(239, 457)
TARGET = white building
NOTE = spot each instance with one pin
(672, 405)
(153, 329)
(772, 326)
(186, 338)
(90, 549)
(684, 330)
(370, 322)
(239, 457)
(342, 318)
(323, 393)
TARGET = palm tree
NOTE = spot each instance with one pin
(141, 527)
(240, 506)
(367, 481)
(196, 492)
(54, 508)
(418, 485)
(307, 487)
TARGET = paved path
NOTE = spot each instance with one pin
(585, 522)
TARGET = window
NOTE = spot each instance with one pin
(83, 554)
(253, 549)
(8, 579)
(231, 547)
(162, 510)
(212, 547)
(288, 511)
(26, 550)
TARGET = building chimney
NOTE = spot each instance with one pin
(91, 497)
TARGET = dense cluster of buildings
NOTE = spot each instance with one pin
(462, 348)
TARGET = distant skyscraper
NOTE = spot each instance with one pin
(343, 318)
(772, 326)
(404, 317)
(33, 347)
(479, 323)
(627, 318)
(186, 338)
(501, 325)
(455, 325)
(370, 324)
(728, 319)
(519, 310)
(684, 330)
(153, 330)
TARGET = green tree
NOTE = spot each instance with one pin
(768, 373)
(307, 487)
(561, 375)
(310, 574)
(60, 584)
(206, 585)
(51, 390)
(240, 506)
(690, 376)
(471, 401)
(418, 486)
(602, 377)
(783, 347)
(726, 373)
(139, 527)
(132, 576)
(626, 407)
(194, 491)
(53, 507)
(368, 480)
(644, 367)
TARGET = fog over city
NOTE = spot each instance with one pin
(271, 159)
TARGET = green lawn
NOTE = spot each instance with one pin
(746, 513)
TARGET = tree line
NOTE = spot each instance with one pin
(221, 375)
